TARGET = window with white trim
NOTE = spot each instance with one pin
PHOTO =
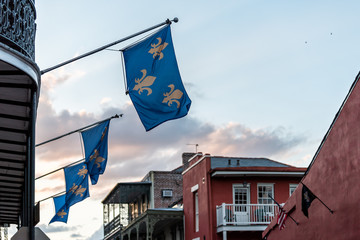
(264, 190)
(241, 197)
(292, 188)
(196, 206)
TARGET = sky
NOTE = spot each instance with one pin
(266, 79)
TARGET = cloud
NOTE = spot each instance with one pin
(54, 229)
(99, 234)
(238, 140)
(76, 235)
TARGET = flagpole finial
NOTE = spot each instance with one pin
(175, 20)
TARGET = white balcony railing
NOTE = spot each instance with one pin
(245, 214)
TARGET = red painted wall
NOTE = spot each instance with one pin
(334, 178)
(191, 178)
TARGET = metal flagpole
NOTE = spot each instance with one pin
(318, 198)
(78, 130)
(108, 45)
(55, 195)
(282, 209)
(59, 169)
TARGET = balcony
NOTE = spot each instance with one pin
(17, 26)
(244, 217)
(112, 226)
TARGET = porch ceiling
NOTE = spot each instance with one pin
(15, 120)
(127, 192)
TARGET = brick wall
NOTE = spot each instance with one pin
(166, 181)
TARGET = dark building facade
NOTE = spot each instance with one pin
(19, 93)
(148, 209)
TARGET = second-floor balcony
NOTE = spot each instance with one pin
(244, 217)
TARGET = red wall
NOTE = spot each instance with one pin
(191, 178)
(334, 178)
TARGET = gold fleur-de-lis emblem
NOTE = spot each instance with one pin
(80, 191)
(103, 134)
(73, 188)
(144, 83)
(157, 49)
(82, 172)
(62, 213)
(173, 96)
(98, 159)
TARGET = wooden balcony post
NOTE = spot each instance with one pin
(224, 213)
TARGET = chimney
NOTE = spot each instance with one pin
(185, 158)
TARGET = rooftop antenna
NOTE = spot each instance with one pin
(196, 146)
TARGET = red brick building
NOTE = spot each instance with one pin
(228, 198)
(333, 176)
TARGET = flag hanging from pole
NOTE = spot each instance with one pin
(96, 149)
(77, 184)
(61, 211)
(307, 198)
(153, 80)
(281, 218)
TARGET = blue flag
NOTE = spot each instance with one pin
(77, 184)
(61, 211)
(96, 149)
(153, 80)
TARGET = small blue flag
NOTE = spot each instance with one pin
(96, 149)
(77, 184)
(153, 80)
(61, 211)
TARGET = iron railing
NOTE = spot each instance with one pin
(17, 25)
(112, 226)
(245, 214)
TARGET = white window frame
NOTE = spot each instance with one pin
(265, 185)
(292, 186)
(196, 208)
(241, 186)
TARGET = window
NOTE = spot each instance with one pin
(241, 197)
(240, 194)
(264, 190)
(167, 193)
(196, 205)
(292, 188)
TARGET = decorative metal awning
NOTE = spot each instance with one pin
(19, 80)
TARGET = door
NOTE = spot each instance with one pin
(241, 196)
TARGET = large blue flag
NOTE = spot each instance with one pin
(77, 184)
(61, 211)
(96, 149)
(153, 80)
